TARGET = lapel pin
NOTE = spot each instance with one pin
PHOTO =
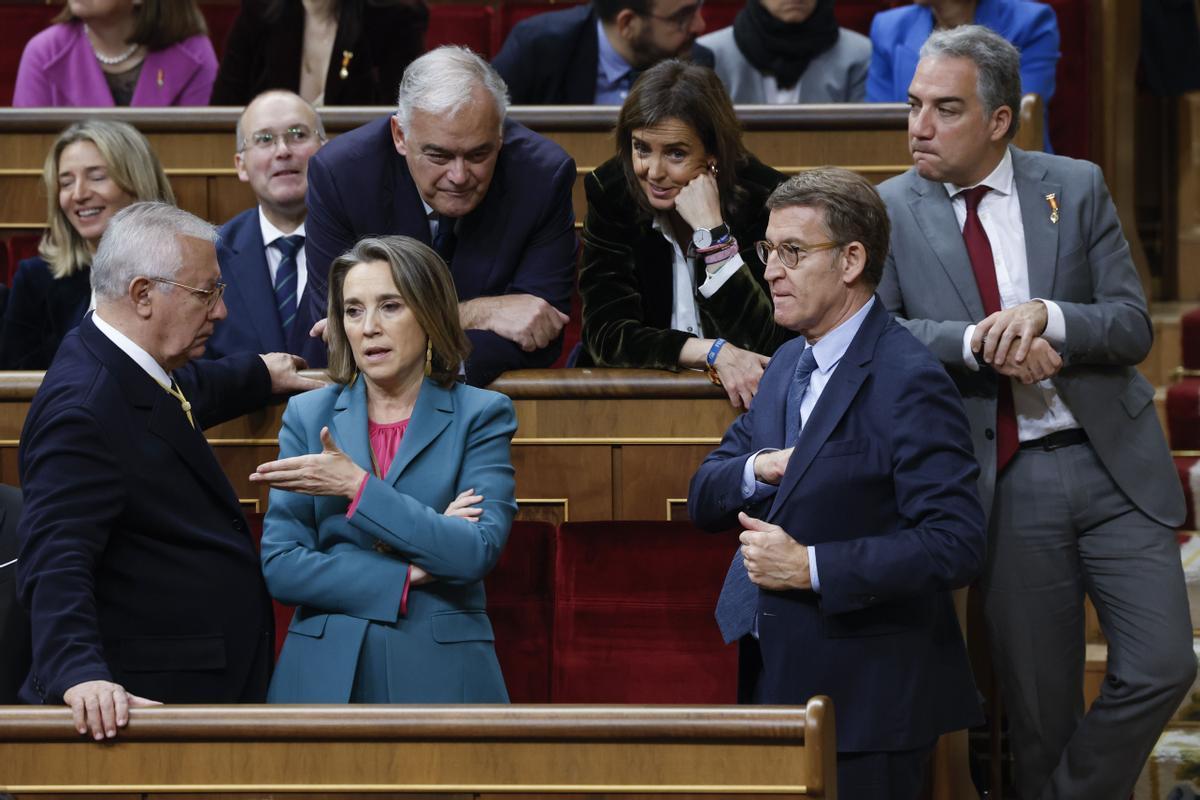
(159, 78)
(344, 72)
(1052, 199)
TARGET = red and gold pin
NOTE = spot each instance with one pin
(1052, 199)
(344, 72)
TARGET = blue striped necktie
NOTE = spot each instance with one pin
(285, 279)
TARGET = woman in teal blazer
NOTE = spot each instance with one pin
(388, 589)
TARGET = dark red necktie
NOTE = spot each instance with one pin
(980, 251)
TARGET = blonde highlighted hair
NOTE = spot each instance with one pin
(131, 164)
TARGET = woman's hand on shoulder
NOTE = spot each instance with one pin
(699, 203)
(740, 371)
(328, 473)
(466, 505)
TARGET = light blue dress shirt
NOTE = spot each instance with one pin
(614, 75)
(828, 353)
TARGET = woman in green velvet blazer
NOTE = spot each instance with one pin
(670, 279)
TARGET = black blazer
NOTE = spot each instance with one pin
(552, 58)
(14, 623)
(40, 311)
(136, 562)
(383, 35)
(626, 278)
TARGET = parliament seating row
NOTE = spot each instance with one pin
(484, 25)
(601, 612)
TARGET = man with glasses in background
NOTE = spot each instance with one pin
(261, 251)
(136, 563)
(592, 54)
(853, 480)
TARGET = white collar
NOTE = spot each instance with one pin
(270, 233)
(1000, 180)
(133, 350)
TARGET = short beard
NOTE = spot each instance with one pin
(646, 54)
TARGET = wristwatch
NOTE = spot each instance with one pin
(703, 237)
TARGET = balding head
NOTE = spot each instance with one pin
(276, 135)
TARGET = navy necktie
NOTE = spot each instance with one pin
(445, 241)
(738, 602)
(285, 279)
(795, 395)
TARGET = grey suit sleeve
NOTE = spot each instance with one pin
(1112, 324)
(943, 338)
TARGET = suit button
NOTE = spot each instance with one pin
(989, 434)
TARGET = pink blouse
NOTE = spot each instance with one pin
(385, 441)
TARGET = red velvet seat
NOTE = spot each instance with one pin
(1184, 465)
(283, 614)
(520, 596)
(1183, 414)
(466, 25)
(633, 618)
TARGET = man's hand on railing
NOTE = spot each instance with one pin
(101, 707)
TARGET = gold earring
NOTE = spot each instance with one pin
(428, 357)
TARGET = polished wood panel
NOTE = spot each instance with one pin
(585, 750)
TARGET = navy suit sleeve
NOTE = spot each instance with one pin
(73, 487)
(224, 389)
(329, 232)
(942, 537)
(715, 493)
(517, 65)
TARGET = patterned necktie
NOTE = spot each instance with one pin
(177, 393)
(445, 241)
(979, 249)
(804, 369)
(285, 279)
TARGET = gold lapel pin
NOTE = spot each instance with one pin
(344, 72)
(1052, 199)
(159, 78)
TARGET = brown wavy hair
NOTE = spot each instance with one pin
(159, 23)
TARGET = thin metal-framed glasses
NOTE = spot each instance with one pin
(681, 18)
(210, 296)
(790, 255)
(267, 139)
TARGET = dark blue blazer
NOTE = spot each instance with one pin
(40, 311)
(136, 563)
(252, 325)
(882, 483)
(520, 239)
(552, 58)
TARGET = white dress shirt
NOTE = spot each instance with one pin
(134, 351)
(685, 314)
(1040, 411)
(274, 258)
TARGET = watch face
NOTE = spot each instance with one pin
(702, 237)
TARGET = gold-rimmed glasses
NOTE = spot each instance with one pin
(266, 139)
(210, 296)
(790, 254)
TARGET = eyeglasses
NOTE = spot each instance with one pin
(790, 254)
(267, 139)
(210, 296)
(682, 18)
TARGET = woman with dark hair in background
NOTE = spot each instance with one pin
(94, 169)
(119, 53)
(330, 52)
(670, 278)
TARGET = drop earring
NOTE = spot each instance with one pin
(428, 357)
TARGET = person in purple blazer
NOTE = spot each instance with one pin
(119, 53)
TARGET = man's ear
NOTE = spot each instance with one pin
(628, 24)
(398, 136)
(139, 294)
(854, 262)
(239, 163)
(1001, 121)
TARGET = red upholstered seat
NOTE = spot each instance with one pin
(1184, 465)
(466, 25)
(283, 614)
(1189, 326)
(520, 592)
(1183, 414)
(633, 616)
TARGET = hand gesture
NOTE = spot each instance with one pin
(101, 707)
(330, 472)
(526, 319)
(740, 371)
(769, 467)
(466, 505)
(699, 203)
(285, 373)
(1018, 325)
(1042, 361)
(773, 559)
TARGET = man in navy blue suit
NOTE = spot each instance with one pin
(261, 250)
(853, 479)
(490, 195)
(136, 564)
(593, 53)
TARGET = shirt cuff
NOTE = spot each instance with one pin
(967, 353)
(357, 496)
(717, 279)
(404, 596)
(1056, 324)
(752, 488)
(813, 577)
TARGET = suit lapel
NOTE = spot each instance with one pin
(934, 213)
(1041, 235)
(253, 283)
(835, 400)
(431, 416)
(349, 427)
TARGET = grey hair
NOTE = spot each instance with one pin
(240, 135)
(441, 81)
(143, 240)
(996, 59)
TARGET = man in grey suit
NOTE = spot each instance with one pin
(790, 51)
(1013, 270)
